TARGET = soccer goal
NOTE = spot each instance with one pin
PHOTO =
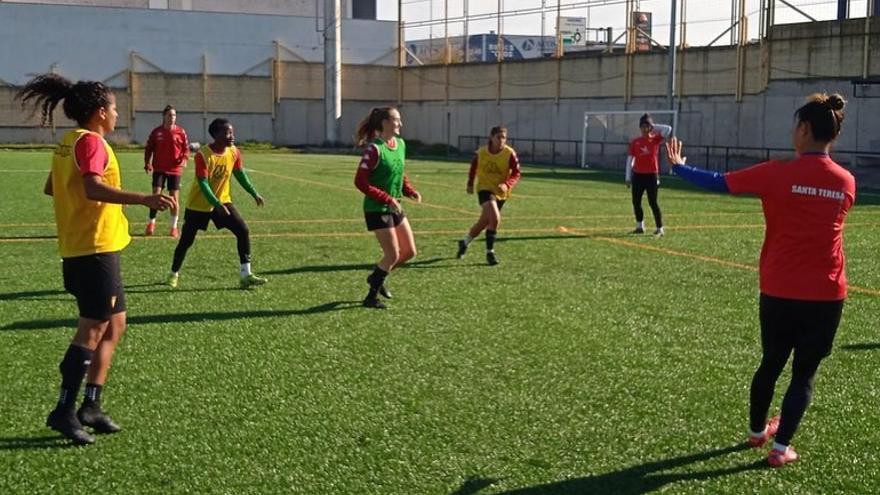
(607, 134)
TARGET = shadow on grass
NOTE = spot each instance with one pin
(347, 267)
(27, 237)
(865, 346)
(31, 294)
(634, 480)
(33, 443)
(190, 317)
(157, 287)
(47, 295)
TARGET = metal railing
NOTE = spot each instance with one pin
(611, 155)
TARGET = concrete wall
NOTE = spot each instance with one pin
(65, 38)
(760, 120)
(541, 99)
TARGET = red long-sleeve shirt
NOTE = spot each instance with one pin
(167, 150)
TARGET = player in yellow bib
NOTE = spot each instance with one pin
(87, 193)
(496, 170)
(210, 201)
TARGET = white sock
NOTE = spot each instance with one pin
(778, 446)
(468, 239)
(245, 269)
(173, 221)
(659, 229)
(640, 225)
(758, 434)
(152, 220)
(175, 273)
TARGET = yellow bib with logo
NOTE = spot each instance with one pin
(85, 226)
(219, 173)
(493, 170)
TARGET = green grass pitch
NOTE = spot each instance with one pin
(587, 362)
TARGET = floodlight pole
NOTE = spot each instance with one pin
(332, 70)
(543, 25)
(467, 42)
(670, 78)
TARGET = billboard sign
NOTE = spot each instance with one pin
(571, 30)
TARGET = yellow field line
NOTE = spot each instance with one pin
(709, 259)
(671, 252)
(305, 181)
(301, 234)
(471, 214)
(352, 190)
(475, 214)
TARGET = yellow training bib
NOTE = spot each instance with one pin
(84, 226)
(219, 172)
(493, 170)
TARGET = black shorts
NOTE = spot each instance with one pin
(378, 220)
(95, 281)
(483, 196)
(807, 327)
(645, 182)
(166, 181)
(200, 219)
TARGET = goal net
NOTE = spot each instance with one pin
(607, 134)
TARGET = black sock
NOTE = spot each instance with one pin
(490, 240)
(152, 213)
(376, 280)
(93, 393)
(73, 369)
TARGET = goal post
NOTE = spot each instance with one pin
(611, 131)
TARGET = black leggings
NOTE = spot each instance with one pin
(806, 328)
(649, 183)
(195, 221)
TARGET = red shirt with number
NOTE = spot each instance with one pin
(805, 203)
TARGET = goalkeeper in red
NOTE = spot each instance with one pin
(802, 268)
(496, 170)
(210, 201)
(643, 171)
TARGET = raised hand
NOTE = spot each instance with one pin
(673, 152)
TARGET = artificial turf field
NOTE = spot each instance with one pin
(589, 361)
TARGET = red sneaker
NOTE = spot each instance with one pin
(769, 432)
(174, 232)
(151, 227)
(779, 458)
